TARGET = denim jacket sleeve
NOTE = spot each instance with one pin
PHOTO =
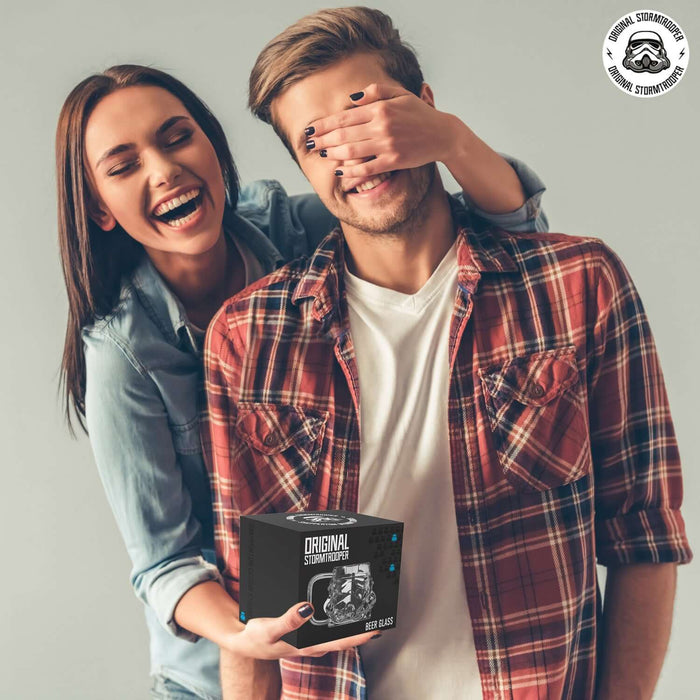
(530, 217)
(136, 460)
(297, 224)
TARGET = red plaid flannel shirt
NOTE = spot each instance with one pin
(562, 446)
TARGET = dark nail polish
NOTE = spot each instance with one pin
(305, 610)
(309, 131)
(323, 153)
(357, 96)
(376, 636)
(310, 144)
(338, 172)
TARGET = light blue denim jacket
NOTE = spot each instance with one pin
(143, 372)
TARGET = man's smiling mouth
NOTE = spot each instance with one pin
(179, 210)
(370, 183)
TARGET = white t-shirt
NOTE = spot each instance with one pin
(401, 345)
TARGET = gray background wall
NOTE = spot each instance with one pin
(527, 77)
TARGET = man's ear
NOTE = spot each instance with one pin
(426, 94)
(102, 216)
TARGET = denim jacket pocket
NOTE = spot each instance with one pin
(281, 447)
(537, 413)
(186, 437)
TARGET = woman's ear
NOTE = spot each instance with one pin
(426, 94)
(102, 216)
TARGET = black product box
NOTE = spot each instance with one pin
(346, 564)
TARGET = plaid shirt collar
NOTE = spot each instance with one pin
(477, 253)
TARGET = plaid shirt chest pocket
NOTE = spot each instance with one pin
(537, 414)
(280, 448)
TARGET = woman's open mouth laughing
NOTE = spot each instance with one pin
(180, 210)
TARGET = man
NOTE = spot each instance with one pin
(499, 392)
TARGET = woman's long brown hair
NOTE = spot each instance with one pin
(95, 261)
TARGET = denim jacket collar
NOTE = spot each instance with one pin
(163, 306)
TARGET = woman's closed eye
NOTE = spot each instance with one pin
(121, 168)
(179, 138)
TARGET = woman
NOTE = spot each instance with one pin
(154, 237)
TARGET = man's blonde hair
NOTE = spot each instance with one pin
(321, 39)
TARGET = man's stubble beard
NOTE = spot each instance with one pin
(410, 215)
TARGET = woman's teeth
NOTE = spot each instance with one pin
(175, 202)
(183, 220)
(180, 210)
(371, 184)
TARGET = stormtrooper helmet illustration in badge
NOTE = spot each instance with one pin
(645, 53)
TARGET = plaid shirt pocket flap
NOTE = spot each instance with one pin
(537, 413)
(280, 450)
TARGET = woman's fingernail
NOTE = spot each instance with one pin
(357, 96)
(323, 153)
(376, 636)
(309, 131)
(338, 172)
(305, 610)
(310, 144)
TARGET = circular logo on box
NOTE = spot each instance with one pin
(645, 53)
(321, 518)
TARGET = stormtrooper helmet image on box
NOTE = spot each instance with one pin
(350, 595)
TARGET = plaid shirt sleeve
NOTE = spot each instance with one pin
(638, 488)
(219, 375)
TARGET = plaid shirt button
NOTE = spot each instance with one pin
(271, 440)
(537, 391)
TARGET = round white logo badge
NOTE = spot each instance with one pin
(645, 53)
(322, 518)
